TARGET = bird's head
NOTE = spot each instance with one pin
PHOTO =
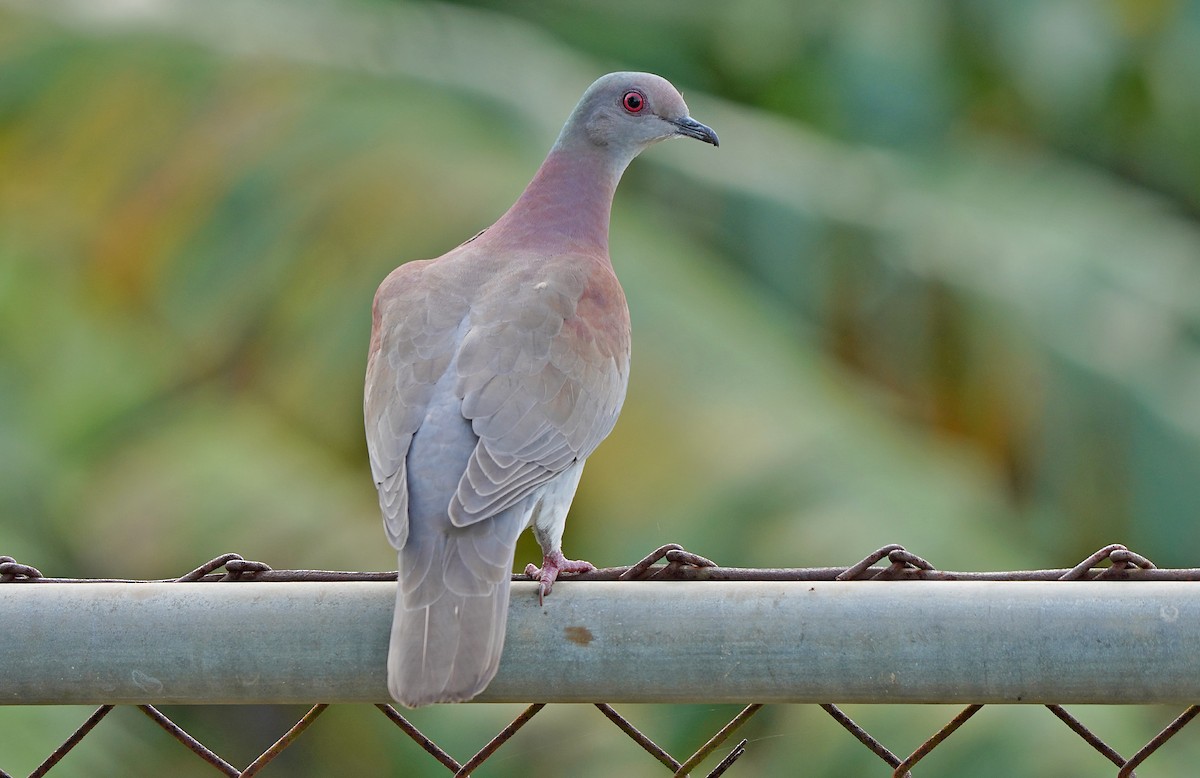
(626, 112)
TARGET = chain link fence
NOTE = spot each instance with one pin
(669, 563)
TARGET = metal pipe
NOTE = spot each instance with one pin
(762, 641)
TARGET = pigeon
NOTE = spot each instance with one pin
(493, 372)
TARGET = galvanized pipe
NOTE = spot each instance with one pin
(762, 641)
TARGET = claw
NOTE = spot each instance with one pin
(552, 565)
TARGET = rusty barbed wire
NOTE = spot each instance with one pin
(716, 740)
(634, 734)
(288, 738)
(861, 735)
(72, 741)
(935, 740)
(670, 562)
(682, 565)
(1166, 734)
(192, 744)
(11, 570)
(418, 737)
(1087, 735)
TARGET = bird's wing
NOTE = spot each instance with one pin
(542, 349)
(416, 321)
(542, 372)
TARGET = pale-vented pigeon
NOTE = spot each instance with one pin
(493, 372)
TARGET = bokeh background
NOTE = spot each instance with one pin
(939, 286)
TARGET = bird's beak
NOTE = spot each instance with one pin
(691, 128)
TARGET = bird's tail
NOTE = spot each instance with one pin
(451, 611)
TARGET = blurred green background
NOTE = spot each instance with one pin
(939, 286)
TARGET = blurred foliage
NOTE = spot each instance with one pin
(939, 286)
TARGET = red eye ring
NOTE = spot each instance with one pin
(633, 101)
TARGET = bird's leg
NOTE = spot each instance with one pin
(553, 564)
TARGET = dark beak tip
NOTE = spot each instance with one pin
(691, 128)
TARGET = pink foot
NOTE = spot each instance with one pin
(553, 564)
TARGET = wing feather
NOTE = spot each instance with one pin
(542, 373)
(541, 356)
(415, 320)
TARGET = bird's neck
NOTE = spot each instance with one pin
(566, 206)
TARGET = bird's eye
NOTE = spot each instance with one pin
(633, 101)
